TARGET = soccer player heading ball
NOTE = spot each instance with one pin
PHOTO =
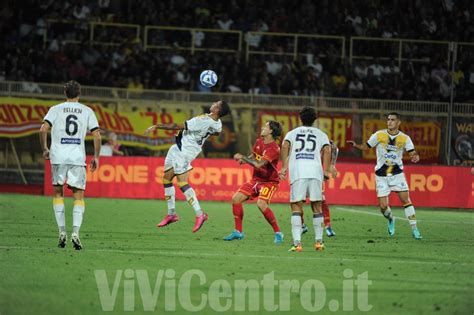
(264, 182)
(390, 144)
(191, 137)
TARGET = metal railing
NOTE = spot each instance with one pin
(194, 40)
(395, 48)
(243, 100)
(294, 41)
(93, 32)
(191, 40)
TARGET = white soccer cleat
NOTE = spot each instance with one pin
(76, 242)
(62, 240)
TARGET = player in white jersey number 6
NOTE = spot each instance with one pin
(192, 135)
(390, 144)
(69, 123)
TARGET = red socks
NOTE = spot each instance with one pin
(268, 213)
(326, 214)
(238, 212)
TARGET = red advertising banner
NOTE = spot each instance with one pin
(218, 179)
(337, 127)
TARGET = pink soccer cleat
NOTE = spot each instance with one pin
(169, 218)
(199, 222)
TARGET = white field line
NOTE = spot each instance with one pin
(291, 256)
(377, 213)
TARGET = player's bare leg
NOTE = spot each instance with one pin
(237, 209)
(262, 205)
(318, 224)
(59, 212)
(304, 227)
(409, 213)
(191, 197)
(170, 194)
(77, 215)
(296, 226)
(387, 213)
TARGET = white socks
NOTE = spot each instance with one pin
(188, 191)
(170, 199)
(410, 215)
(77, 213)
(192, 200)
(387, 213)
(296, 224)
(318, 225)
(59, 212)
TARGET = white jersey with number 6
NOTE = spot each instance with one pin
(305, 152)
(69, 123)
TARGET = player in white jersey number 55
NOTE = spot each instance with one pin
(189, 141)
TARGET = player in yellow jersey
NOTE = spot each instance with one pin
(390, 144)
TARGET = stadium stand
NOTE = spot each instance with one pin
(34, 49)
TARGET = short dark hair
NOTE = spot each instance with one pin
(72, 89)
(394, 114)
(308, 115)
(224, 109)
(276, 128)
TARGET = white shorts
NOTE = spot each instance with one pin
(306, 187)
(176, 160)
(73, 175)
(387, 184)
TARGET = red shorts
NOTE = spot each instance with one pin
(262, 190)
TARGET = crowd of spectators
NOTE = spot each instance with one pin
(318, 69)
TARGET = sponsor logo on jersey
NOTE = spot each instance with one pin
(390, 156)
(391, 147)
(70, 141)
(305, 156)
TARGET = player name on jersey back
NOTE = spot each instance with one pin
(69, 122)
(72, 110)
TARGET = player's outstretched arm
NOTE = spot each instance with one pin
(249, 160)
(43, 134)
(175, 126)
(97, 145)
(414, 156)
(362, 146)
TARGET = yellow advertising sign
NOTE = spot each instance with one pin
(20, 117)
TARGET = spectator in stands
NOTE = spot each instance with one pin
(339, 82)
(361, 69)
(377, 68)
(253, 40)
(356, 87)
(183, 77)
(112, 147)
(30, 86)
(273, 67)
(225, 22)
(134, 86)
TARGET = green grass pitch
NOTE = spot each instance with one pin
(432, 276)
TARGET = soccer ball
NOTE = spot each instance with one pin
(208, 78)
